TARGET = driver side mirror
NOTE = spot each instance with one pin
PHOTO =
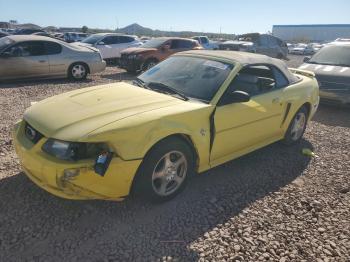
(101, 43)
(239, 97)
(306, 59)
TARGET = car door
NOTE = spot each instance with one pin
(117, 46)
(108, 46)
(25, 59)
(240, 126)
(275, 49)
(57, 62)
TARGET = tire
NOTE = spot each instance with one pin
(296, 127)
(78, 71)
(159, 180)
(149, 64)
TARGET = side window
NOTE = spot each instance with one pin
(281, 80)
(175, 44)
(273, 41)
(110, 40)
(182, 44)
(26, 49)
(258, 79)
(204, 40)
(263, 40)
(125, 39)
(53, 48)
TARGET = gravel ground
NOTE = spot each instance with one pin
(274, 204)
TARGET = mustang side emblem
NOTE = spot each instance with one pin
(202, 131)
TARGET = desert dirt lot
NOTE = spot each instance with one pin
(274, 204)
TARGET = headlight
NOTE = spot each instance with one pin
(73, 151)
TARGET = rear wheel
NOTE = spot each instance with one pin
(165, 170)
(78, 71)
(296, 127)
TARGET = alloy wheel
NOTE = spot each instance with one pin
(298, 126)
(169, 173)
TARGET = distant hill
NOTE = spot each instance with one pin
(136, 29)
(21, 26)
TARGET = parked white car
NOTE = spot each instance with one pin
(299, 49)
(290, 47)
(110, 44)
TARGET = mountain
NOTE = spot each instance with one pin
(21, 26)
(136, 29)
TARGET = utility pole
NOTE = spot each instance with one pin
(117, 22)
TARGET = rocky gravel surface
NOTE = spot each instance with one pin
(275, 204)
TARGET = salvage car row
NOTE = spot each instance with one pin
(29, 56)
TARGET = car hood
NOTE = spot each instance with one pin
(84, 47)
(72, 116)
(331, 72)
(335, 79)
(81, 44)
(137, 50)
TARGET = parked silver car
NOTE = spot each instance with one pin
(27, 56)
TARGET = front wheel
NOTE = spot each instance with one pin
(296, 127)
(165, 170)
(78, 71)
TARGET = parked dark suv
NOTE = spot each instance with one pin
(257, 43)
(154, 51)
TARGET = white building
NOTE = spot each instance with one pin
(311, 33)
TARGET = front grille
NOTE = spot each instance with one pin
(32, 134)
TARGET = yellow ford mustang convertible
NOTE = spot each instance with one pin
(193, 111)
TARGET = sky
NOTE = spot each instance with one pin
(229, 16)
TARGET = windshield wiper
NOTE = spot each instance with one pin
(140, 83)
(163, 87)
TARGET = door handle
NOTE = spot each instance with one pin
(42, 61)
(275, 100)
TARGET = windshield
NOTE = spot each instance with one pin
(196, 78)
(93, 39)
(332, 55)
(154, 43)
(5, 42)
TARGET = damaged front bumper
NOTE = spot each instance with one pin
(48, 172)
(130, 64)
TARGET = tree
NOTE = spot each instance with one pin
(84, 29)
